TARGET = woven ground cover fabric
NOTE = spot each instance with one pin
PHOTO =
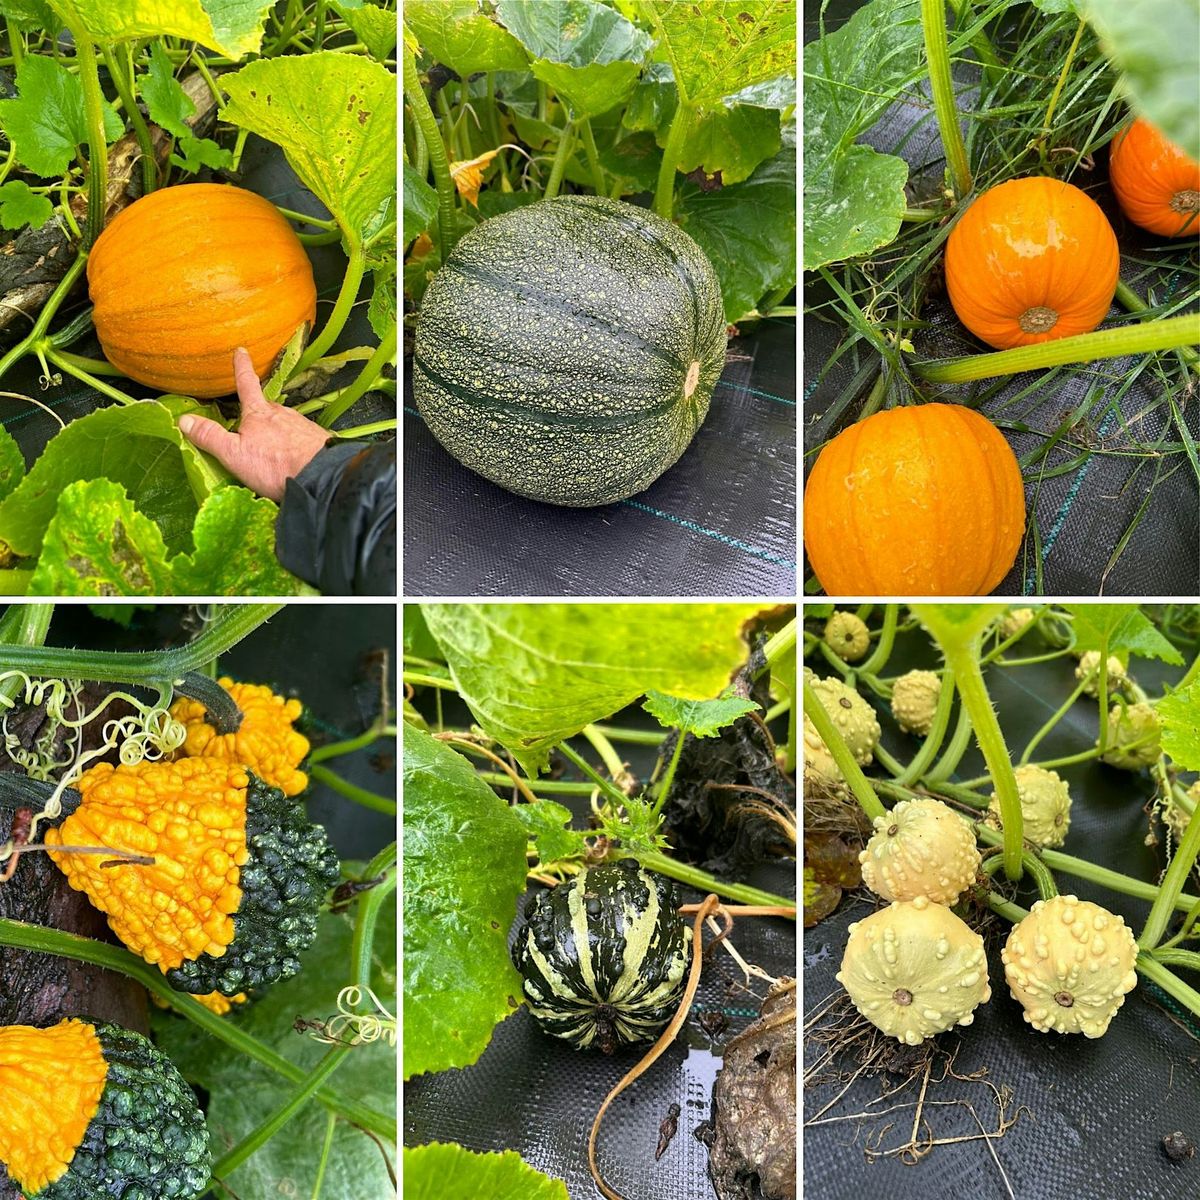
(720, 522)
(266, 172)
(1097, 1109)
(1083, 515)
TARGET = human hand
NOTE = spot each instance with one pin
(272, 444)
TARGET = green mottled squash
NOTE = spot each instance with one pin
(604, 957)
(567, 350)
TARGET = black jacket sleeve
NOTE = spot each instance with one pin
(337, 525)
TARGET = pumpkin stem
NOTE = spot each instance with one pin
(1038, 319)
(1187, 201)
(1064, 999)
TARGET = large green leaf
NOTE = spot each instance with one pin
(334, 115)
(748, 231)
(1180, 716)
(242, 1094)
(420, 205)
(535, 674)
(854, 196)
(445, 1171)
(137, 446)
(98, 544)
(456, 34)
(232, 27)
(12, 463)
(1155, 44)
(587, 52)
(464, 868)
(1121, 629)
(721, 46)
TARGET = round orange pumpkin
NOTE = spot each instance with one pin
(1030, 261)
(1157, 185)
(919, 501)
(185, 275)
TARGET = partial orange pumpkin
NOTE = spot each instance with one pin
(185, 275)
(916, 501)
(1157, 185)
(1031, 260)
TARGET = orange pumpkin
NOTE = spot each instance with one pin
(1157, 185)
(185, 275)
(1030, 261)
(919, 501)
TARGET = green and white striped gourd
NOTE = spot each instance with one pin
(567, 350)
(604, 957)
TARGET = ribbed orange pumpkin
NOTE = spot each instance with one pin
(1030, 261)
(185, 275)
(919, 501)
(1158, 186)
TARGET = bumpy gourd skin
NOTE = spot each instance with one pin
(265, 743)
(921, 848)
(567, 350)
(855, 721)
(847, 636)
(1088, 663)
(1070, 964)
(604, 957)
(233, 895)
(127, 1127)
(1030, 261)
(1045, 805)
(915, 699)
(1133, 737)
(914, 969)
(1157, 185)
(1016, 620)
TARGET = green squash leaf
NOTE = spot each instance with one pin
(701, 718)
(456, 34)
(234, 28)
(464, 870)
(136, 446)
(587, 53)
(372, 24)
(536, 674)
(544, 825)
(854, 196)
(20, 205)
(748, 231)
(1180, 716)
(12, 463)
(98, 544)
(46, 123)
(721, 46)
(439, 1170)
(420, 205)
(234, 554)
(334, 116)
(1155, 44)
(1120, 629)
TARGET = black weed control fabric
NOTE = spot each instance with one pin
(721, 522)
(265, 171)
(1082, 514)
(1094, 1112)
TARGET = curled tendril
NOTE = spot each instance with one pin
(148, 733)
(362, 1028)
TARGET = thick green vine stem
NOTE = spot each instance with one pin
(93, 110)
(1170, 333)
(38, 332)
(355, 269)
(30, 628)
(959, 635)
(887, 639)
(221, 709)
(1170, 983)
(367, 377)
(559, 166)
(664, 193)
(859, 784)
(933, 22)
(704, 882)
(937, 732)
(427, 123)
(232, 623)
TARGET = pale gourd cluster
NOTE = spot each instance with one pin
(1088, 664)
(847, 636)
(1045, 806)
(915, 698)
(854, 719)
